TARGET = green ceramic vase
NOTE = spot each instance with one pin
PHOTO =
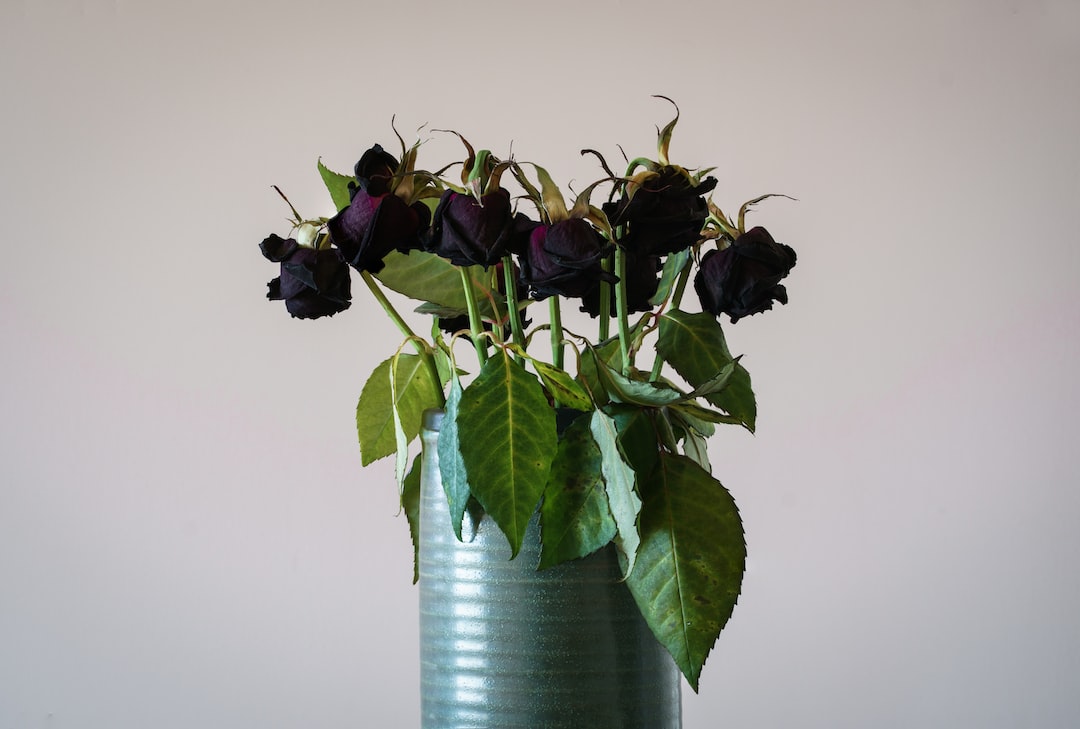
(504, 646)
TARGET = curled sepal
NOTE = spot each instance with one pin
(583, 209)
(663, 141)
(691, 560)
(751, 203)
(550, 202)
(470, 161)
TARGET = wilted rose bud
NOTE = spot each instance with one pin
(663, 214)
(470, 232)
(374, 171)
(744, 278)
(373, 226)
(313, 283)
(642, 280)
(564, 259)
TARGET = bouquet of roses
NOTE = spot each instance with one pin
(607, 452)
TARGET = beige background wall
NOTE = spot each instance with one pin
(186, 536)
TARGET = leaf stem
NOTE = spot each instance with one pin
(403, 327)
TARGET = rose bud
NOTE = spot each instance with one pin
(564, 259)
(313, 283)
(663, 214)
(744, 278)
(373, 226)
(642, 280)
(469, 232)
(374, 171)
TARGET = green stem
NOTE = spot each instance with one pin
(403, 327)
(555, 315)
(475, 326)
(512, 301)
(620, 309)
(605, 304)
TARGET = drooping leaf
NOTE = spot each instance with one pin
(507, 439)
(410, 503)
(416, 391)
(427, 277)
(637, 436)
(691, 560)
(694, 345)
(562, 387)
(626, 390)
(338, 186)
(574, 518)
(619, 485)
(673, 266)
(451, 467)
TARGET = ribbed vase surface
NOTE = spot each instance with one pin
(504, 646)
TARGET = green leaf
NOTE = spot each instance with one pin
(416, 391)
(427, 277)
(562, 387)
(619, 484)
(634, 392)
(507, 438)
(638, 439)
(673, 266)
(691, 560)
(574, 518)
(451, 466)
(694, 345)
(410, 502)
(338, 185)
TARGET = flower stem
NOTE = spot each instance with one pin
(512, 301)
(605, 304)
(403, 327)
(555, 316)
(475, 326)
(620, 309)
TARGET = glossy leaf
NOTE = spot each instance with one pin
(619, 485)
(694, 345)
(574, 518)
(691, 561)
(451, 467)
(416, 391)
(507, 438)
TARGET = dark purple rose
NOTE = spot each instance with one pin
(744, 278)
(312, 283)
(373, 226)
(642, 280)
(469, 232)
(564, 259)
(373, 172)
(664, 214)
